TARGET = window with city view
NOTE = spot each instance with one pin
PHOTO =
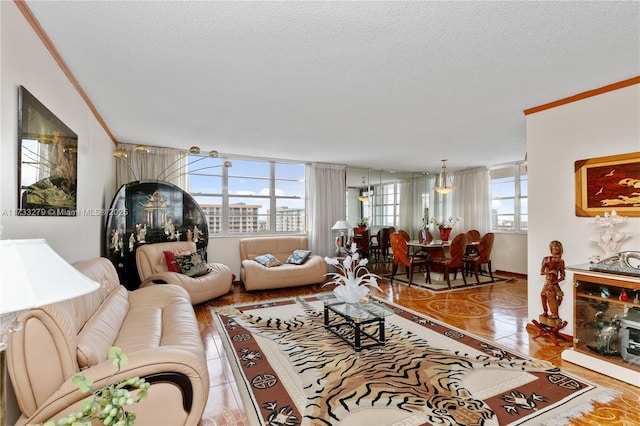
(509, 210)
(251, 196)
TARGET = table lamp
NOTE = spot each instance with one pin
(32, 274)
(342, 226)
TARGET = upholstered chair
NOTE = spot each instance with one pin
(151, 262)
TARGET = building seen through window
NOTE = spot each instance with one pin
(252, 196)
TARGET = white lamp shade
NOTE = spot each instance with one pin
(32, 275)
(340, 225)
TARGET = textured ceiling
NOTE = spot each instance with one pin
(393, 85)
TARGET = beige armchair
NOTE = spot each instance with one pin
(153, 269)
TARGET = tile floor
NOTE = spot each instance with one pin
(497, 312)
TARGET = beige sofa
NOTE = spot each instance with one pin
(153, 269)
(156, 328)
(258, 277)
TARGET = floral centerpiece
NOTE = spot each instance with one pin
(448, 223)
(445, 226)
(608, 238)
(352, 278)
(362, 222)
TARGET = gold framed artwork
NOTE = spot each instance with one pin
(48, 160)
(608, 183)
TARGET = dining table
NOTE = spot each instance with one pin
(438, 248)
(435, 248)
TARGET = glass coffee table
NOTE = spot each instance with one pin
(358, 327)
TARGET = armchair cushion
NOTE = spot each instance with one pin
(298, 257)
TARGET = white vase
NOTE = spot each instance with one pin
(350, 294)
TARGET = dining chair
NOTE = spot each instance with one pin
(473, 238)
(424, 237)
(404, 234)
(361, 239)
(379, 244)
(402, 257)
(454, 261)
(483, 257)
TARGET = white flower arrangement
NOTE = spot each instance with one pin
(608, 238)
(363, 221)
(449, 223)
(352, 278)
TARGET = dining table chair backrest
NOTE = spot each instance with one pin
(455, 261)
(424, 236)
(485, 247)
(473, 236)
(404, 234)
(400, 249)
(457, 250)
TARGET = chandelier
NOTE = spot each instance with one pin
(443, 188)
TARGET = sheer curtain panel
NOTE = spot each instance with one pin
(326, 204)
(140, 165)
(471, 200)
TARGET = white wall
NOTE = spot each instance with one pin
(25, 61)
(509, 253)
(603, 125)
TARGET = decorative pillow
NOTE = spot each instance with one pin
(298, 257)
(192, 265)
(268, 260)
(172, 264)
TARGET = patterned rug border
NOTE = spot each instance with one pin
(584, 399)
(471, 283)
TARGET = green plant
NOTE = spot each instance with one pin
(363, 221)
(109, 401)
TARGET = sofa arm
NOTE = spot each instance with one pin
(174, 374)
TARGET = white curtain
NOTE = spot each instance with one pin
(471, 200)
(415, 200)
(326, 204)
(166, 164)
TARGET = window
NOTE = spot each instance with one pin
(386, 204)
(509, 208)
(251, 196)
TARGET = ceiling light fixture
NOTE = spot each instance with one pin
(443, 188)
(365, 195)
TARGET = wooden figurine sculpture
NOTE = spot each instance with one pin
(553, 270)
(549, 324)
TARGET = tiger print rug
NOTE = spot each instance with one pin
(292, 372)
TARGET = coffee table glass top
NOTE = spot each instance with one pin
(358, 311)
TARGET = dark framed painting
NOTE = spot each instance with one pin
(48, 161)
(608, 183)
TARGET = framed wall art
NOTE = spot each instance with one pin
(608, 183)
(48, 161)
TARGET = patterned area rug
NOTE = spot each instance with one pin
(291, 372)
(438, 285)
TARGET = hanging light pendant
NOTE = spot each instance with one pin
(364, 196)
(443, 188)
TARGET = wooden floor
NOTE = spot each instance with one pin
(497, 312)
